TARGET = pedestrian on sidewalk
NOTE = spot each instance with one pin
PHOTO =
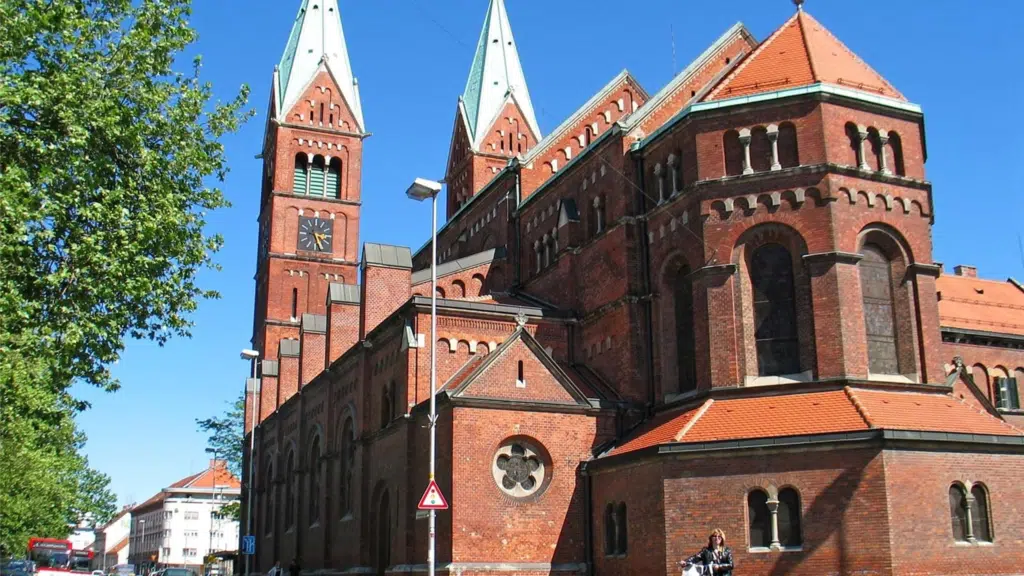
(294, 569)
(276, 570)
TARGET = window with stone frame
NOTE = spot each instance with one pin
(775, 319)
(759, 519)
(315, 480)
(1007, 393)
(520, 469)
(686, 354)
(981, 529)
(289, 492)
(616, 540)
(774, 519)
(347, 459)
(879, 311)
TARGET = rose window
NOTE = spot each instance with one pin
(519, 470)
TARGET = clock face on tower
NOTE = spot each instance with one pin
(315, 234)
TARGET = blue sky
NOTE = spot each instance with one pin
(412, 57)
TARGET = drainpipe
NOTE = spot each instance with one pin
(646, 304)
(588, 520)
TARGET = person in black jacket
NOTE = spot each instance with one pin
(716, 557)
(294, 569)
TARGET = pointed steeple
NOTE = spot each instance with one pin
(496, 76)
(317, 39)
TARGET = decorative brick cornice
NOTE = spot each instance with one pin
(851, 258)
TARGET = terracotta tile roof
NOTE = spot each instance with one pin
(978, 304)
(801, 52)
(204, 479)
(926, 413)
(812, 413)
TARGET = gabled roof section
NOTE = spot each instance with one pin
(317, 37)
(800, 53)
(971, 303)
(815, 413)
(685, 76)
(496, 74)
(583, 111)
(462, 382)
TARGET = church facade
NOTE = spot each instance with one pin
(711, 306)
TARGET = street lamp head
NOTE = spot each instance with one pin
(423, 189)
(250, 354)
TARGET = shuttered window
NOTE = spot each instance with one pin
(775, 325)
(879, 323)
(316, 177)
(334, 179)
(300, 178)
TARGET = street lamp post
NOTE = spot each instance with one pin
(421, 190)
(251, 356)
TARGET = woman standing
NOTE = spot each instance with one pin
(714, 559)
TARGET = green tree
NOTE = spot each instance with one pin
(225, 434)
(106, 152)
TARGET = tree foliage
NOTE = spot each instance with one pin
(105, 155)
(226, 433)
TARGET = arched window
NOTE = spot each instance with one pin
(686, 357)
(300, 177)
(875, 156)
(386, 408)
(979, 514)
(896, 146)
(269, 500)
(775, 329)
(334, 178)
(609, 530)
(789, 155)
(733, 153)
(289, 492)
(588, 136)
(347, 457)
(458, 289)
(315, 479)
(439, 292)
(879, 319)
(760, 150)
(789, 535)
(316, 176)
(622, 538)
(854, 151)
(477, 282)
(759, 519)
(958, 512)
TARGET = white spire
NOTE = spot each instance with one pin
(496, 75)
(317, 36)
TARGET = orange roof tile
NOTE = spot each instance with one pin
(927, 413)
(977, 304)
(801, 52)
(811, 413)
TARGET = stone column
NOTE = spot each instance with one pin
(554, 238)
(773, 136)
(673, 165)
(883, 139)
(968, 500)
(745, 141)
(536, 251)
(547, 250)
(659, 174)
(862, 135)
(773, 511)
(598, 214)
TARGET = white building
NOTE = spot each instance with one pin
(181, 524)
(111, 545)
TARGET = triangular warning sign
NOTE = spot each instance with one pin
(433, 499)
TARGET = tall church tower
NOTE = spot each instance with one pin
(495, 119)
(312, 151)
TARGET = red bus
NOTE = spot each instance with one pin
(81, 560)
(49, 555)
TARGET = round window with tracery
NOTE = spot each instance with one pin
(519, 469)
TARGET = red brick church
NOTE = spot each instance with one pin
(710, 306)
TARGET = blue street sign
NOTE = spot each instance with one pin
(248, 545)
